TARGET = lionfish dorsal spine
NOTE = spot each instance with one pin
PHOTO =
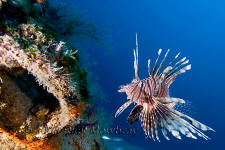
(170, 79)
(179, 66)
(165, 71)
(149, 67)
(168, 66)
(176, 66)
(136, 60)
(175, 57)
(160, 66)
(154, 68)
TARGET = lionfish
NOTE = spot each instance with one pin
(153, 105)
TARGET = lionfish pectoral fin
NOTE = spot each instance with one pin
(172, 121)
(149, 123)
(176, 122)
(193, 121)
(167, 100)
(134, 114)
(122, 108)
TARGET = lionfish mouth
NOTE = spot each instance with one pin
(153, 105)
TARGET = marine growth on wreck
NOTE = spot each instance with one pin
(43, 90)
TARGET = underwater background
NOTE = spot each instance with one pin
(196, 28)
(62, 63)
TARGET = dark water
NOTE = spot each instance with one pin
(194, 27)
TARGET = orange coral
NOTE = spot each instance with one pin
(40, 1)
(32, 145)
(77, 111)
(44, 144)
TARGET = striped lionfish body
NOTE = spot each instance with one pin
(153, 105)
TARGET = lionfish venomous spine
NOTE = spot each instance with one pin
(153, 105)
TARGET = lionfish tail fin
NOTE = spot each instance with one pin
(169, 120)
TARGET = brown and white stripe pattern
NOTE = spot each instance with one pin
(153, 105)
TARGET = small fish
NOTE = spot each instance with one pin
(105, 137)
(114, 139)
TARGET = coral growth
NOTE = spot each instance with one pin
(43, 88)
(55, 81)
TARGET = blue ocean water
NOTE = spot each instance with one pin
(196, 28)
